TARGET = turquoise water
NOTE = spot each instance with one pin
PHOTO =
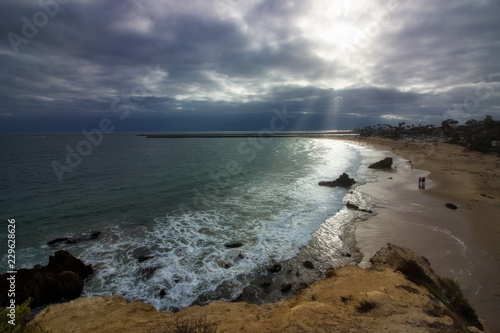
(178, 201)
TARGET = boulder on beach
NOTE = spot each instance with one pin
(62, 278)
(344, 181)
(451, 206)
(386, 163)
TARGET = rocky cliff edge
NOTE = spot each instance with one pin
(399, 293)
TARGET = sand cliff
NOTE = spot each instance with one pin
(334, 304)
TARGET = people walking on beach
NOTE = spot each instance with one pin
(421, 183)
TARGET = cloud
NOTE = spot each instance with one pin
(225, 64)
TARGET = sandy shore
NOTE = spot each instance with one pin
(463, 243)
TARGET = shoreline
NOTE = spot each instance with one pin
(461, 243)
(397, 201)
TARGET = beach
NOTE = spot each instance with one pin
(453, 241)
(462, 243)
(459, 244)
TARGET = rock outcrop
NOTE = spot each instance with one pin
(349, 299)
(342, 181)
(61, 279)
(386, 163)
(75, 239)
(418, 270)
(356, 207)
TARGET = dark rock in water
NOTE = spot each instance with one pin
(355, 207)
(347, 254)
(330, 273)
(227, 266)
(62, 278)
(351, 206)
(343, 181)
(286, 287)
(451, 206)
(232, 245)
(275, 269)
(301, 286)
(74, 239)
(308, 264)
(146, 257)
(58, 241)
(265, 284)
(147, 272)
(163, 293)
(386, 163)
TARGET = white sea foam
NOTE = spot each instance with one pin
(273, 213)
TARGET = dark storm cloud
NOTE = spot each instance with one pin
(225, 65)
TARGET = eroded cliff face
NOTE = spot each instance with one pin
(350, 299)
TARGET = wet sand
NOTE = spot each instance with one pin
(461, 244)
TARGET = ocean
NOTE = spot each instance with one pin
(184, 221)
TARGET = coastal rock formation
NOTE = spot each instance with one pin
(356, 207)
(62, 278)
(74, 239)
(418, 270)
(386, 163)
(396, 257)
(349, 299)
(343, 181)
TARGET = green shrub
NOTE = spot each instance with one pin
(21, 322)
(458, 303)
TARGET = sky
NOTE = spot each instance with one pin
(219, 65)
